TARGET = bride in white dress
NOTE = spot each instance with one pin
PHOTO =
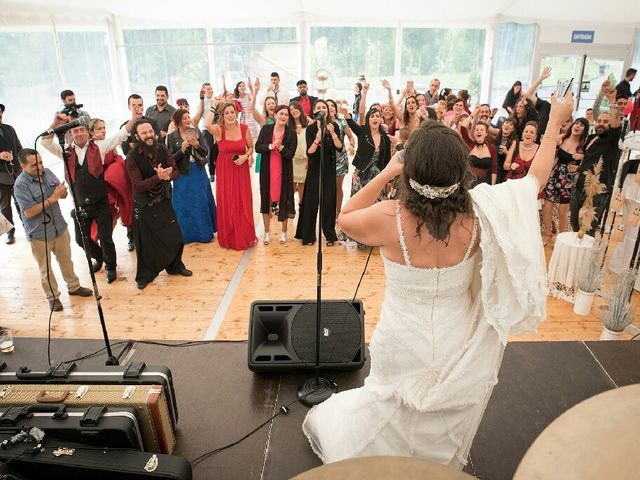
(464, 270)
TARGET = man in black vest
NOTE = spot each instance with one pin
(86, 158)
(159, 242)
(9, 171)
(136, 107)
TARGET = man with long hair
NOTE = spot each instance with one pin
(158, 239)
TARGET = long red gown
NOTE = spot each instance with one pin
(236, 229)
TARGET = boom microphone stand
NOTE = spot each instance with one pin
(316, 390)
(111, 359)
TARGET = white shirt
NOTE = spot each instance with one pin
(281, 95)
(104, 146)
(207, 107)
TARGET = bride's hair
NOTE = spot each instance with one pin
(436, 156)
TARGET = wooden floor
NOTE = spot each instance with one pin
(185, 308)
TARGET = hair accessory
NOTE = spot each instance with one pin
(433, 192)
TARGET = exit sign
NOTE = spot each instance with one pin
(582, 36)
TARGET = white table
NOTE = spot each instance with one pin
(565, 260)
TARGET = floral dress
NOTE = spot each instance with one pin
(562, 183)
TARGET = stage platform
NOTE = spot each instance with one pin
(220, 400)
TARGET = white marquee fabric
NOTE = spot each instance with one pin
(161, 13)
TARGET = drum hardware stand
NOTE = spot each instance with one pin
(111, 359)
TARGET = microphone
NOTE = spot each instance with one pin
(319, 115)
(82, 120)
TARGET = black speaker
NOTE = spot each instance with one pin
(282, 335)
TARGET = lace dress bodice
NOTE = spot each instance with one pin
(424, 285)
(432, 305)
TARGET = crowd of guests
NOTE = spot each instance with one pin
(160, 186)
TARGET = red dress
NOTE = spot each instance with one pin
(275, 171)
(236, 229)
(521, 170)
(522, 166)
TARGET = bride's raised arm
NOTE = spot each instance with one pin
(543, 161)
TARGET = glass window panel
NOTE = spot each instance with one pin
(235, 35)
(452, 55)
(135, 37)
(181, 68)
(512, 58)
(87, 72)
(596, 71)
(237, 62)
(30, 88)
(256, 52)
(346, 52)
(162, 36)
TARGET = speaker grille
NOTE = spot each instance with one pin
(340, 332)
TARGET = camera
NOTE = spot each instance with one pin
(72, 110)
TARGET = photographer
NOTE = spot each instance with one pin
(70, 111)
(70, 108)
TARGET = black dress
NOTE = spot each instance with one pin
(306, 229)
(286, 207)
(501, 157)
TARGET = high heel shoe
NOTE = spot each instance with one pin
(283, 237)
(265, 239)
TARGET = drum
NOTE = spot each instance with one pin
(383, 468)
(596, 439)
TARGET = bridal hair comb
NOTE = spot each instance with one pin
(433, 192)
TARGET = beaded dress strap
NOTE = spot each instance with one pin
(403, 244)
(474, 234)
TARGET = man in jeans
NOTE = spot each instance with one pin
(48, 224)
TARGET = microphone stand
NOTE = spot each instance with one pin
(317, 389)
(111, 359)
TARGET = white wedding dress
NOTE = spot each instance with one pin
(438, 345)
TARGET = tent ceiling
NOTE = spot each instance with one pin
(579, 13)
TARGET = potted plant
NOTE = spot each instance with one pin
(617, 314)
(589, 277)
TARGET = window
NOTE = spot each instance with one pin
(176, 58)
(30, 88)
(347, 52)
(256, 52)
(512, 58)
(86, 69)
(454, 56)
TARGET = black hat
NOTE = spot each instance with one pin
(2, 107)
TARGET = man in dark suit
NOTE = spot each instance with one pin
(9, 171)
(306, 101)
